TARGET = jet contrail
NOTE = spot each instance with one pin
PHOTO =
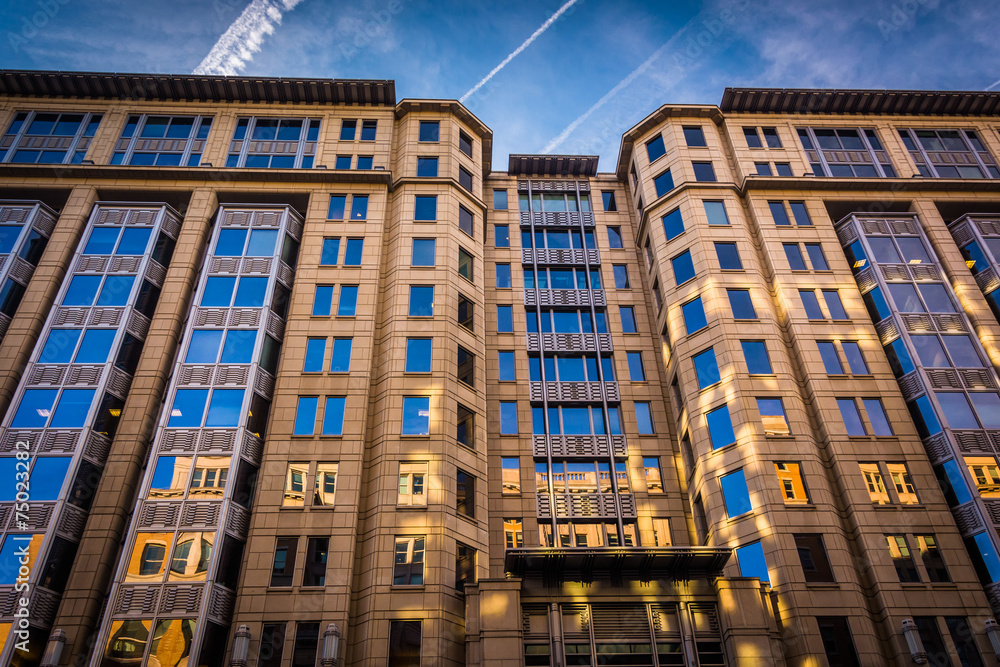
(993, 85)
(236, 46)
(525, 44)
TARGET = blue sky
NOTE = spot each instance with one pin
(554, 95)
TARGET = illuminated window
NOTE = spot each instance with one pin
(295, 485)
(408, 564)
(986, 472)
(900, 477)
(874, 483)
(412, 487)
(513, 533)
(792, 486)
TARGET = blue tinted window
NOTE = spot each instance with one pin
(508, 370)
(347, 130)
(348, 304)
(421, 300)
(501, 234)
(673, 224)
(35, 408)
(418, 355)
(423, 252)
(735, 493)
(834, 305)
(984, 556)
(189, 406)
(855, 359)
(163, 475)
(755, 353)
(811, 304)
(204, 346)
(715, 211)
(315, 355)
(340, 361)
(636, 372)
(59, 346)
(751, 561)
(720, 427)
(957, 411)
(923, 417)
(683, 267)
(707, 368)
(694, 316)
(505, 319)
(655, 148)
(877, 416)
(425, 207)
(778, 213)
(224, 409)
(333, 415)
(134, 241)
(305, 415)
(47, 477)
(427, 166)
(102, 241)
(8, 236)
(508, 417)
(359, 207)
(262, 242)
(330, 252)
(368, 129)
(250, 293)
(353, 252)
(72, 409)
(338, 206)
(851, 416)
(703, 172)
(239, 346)
(96, 346)
(115, 291)
(644, 418)
(323, 300)
(831, 362)
(742, 305)
(503, 275)
(342, 162)
(82, 290)
(231, 242)
(429, 130)
(628, 319)
(663, 183)
(801, 214)
(416, 415)
(218, 291)
(615, 237)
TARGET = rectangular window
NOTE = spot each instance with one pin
(621, 276)
(513, 533)
(837, 642)
(505, 319)
(408, 565)
(295, 485)
(771, 137)
(720, 427)
(348, 304)
(466, 367)
(272, 641)
(323, 300)
(347, 129)
(663, 183)
(465, 427)
(755, 354)
(330, 252)
(283, 563)
(851, 416)
(900, 477)
(510, 475)
(683, 267)
(507, 367)
(772, 415)
(816, 257)
(876, 416)
(305, 415)
(340, 361)
(333, 416)
(930, 556)
(502, 276)
(673, 224)
(315, 355)
(416, 415)
(831, 360)
(753, 139)
(644, 418)
(811, 305)
(421, 301)
(466, 312)
(793, 488)
(615, 237)
(317, 549)
(654, 479)
(284, 143)
(655, 148)
(368, 129)
(63, 138)
(812, 556)
(834, 304)
(778, 213)
(750, 559)
(635, 368)
(306, 644)
(359, 207)
(729, 256)
(501, 236)
(338, 207)
(902, 560)
(353, 252)
(343, 162)
(430, 130)
(412, 486)
(608, 199)
(800, 213)
(703, 172)
(762, 168)
(425, 208)
(164, 141)
(783, 168)
(465, 494)
(694, 316)
(465, 143)
(741, 304)
(465, 264)
(627, 314)
(694, 136)
(715, 211)
(707, 368)
(794, 256)
(735, 493)
(423, 252)
(427, 167)
(874, 483)
(466, 221)
(465, 178)
(404, 643)
(465, 566)
(508, 417)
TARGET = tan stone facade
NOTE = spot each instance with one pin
(548, 416)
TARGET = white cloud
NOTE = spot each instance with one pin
(237, 46)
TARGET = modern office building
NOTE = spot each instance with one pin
(292, 378)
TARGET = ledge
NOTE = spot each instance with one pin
(218, 175)
(643, 563)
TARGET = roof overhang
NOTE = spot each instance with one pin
(641, 563)
(881, 102)
(195, 88)
(459, 110)
(552, 165)
(658, 117)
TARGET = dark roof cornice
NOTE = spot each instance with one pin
(552, 165)
(196, 88)
(881, 102)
